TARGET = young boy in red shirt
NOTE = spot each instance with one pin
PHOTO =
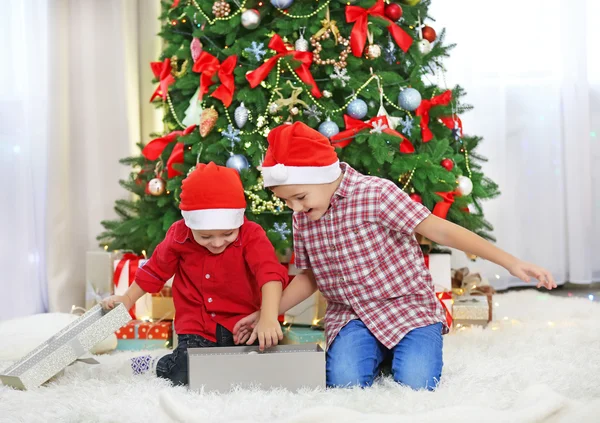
(222, 264)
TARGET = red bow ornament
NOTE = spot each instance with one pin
(162, 71)
(304, 58)
(208, 66)
(154, 149)
(442, 207)
(423, 111)
(354, 126)
(360, 17)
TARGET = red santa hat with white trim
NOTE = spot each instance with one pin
(299, 155)
(212, 198)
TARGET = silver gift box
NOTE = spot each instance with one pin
(470, 310)
(284, 366)
(65, 347)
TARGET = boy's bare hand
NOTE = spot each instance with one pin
(110, 302)
(268, 332)
(525, 271)
(244, 328)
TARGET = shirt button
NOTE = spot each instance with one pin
(207, 276)
(212, 315)
(210, 300)
(341, 279)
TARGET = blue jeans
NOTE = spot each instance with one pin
(355, 357)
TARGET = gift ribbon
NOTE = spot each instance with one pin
(442, 207)
(154, 149)
(354, 126)
(360, 17)
(134, 261)
(302, 69)
(162, 71)
(175, 4)
(423, 111)
(208, 66)
(443, 296)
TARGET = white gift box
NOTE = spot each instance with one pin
(441, 272)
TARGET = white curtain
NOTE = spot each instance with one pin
(532, 72)
(76, 84)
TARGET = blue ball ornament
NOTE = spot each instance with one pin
(357, 108)
(329, 128)
(409, 99)
(282, 4)
(237, 162)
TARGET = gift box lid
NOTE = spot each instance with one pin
(65, 347)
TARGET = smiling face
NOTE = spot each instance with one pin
(314, 200)
(215, 241)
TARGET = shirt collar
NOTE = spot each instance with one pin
(349, 180)
(183, 233)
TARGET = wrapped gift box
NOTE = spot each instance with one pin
(301, 335)
(145, 308)
(142, 335)
(72, 342)
(157, 306)
(98, 276)
(472, 310)
(440, 267)
(284, 366)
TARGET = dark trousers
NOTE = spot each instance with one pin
(174, 366)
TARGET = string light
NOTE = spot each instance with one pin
(591, 297)
(173, 112)
(259, 205)
(225, 18)
(305, 16)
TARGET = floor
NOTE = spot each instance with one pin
(537, 361)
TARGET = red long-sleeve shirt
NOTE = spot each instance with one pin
(207, 288)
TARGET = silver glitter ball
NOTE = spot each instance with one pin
(357, 108)
(273, 108)
(282, 4)
(251, 19)
(301, 44)
(464, 185)
(240, 116)
(409, 99)
(156, 186)
(329, 128)
(238, 162)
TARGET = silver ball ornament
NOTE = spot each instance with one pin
(424, 46)
(250, 18)
(327, 94)
(294, 111)
(409, 99)
(329, 128)
(282, 4)
(241, 115)
(156, 187)
(357, 108)
(464, 185)
(237, 162)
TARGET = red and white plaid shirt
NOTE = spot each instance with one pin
(367, 261)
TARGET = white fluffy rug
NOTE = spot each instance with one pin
(539, 361)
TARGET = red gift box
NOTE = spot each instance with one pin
(138, 329)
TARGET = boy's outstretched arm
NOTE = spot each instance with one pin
(446, 233)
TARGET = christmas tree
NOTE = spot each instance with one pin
(367, 74)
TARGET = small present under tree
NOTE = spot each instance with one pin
(362, 72)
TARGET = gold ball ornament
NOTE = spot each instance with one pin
(155, 187)
(221, 9)
(373, 52)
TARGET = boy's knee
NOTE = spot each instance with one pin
(417, 379)
(348, 377)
